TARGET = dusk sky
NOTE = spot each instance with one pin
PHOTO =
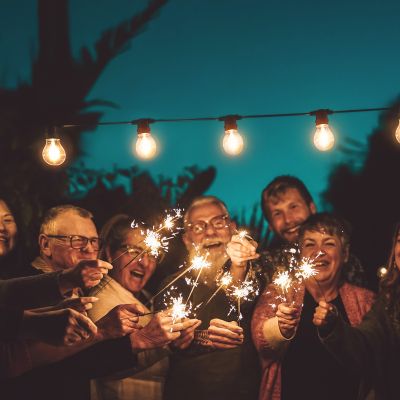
(200, 58)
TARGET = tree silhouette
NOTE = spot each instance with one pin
(56, 94)
(369, 197)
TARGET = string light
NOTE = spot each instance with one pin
(232, 141)
(323, 135)
(53, 153)
(146, 146)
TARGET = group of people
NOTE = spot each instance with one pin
(78, 322)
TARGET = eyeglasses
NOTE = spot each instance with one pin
(137, 253)
(218, 222)
(80, 242)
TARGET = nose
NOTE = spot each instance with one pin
(89, 248)
(2, 225)
(209, 230)
(144, 260)
(288, 217)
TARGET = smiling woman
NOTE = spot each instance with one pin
(123, 246)
(324, 241)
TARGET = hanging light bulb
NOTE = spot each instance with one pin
(232, 141)
(397, 134)
(323, 135)
(146, 146)
(53, 153)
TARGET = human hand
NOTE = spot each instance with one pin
(241, 250)
(120, 321)
(80, 304)
(86, 274)
(225, 335)
(187, 334)
(160, 331)
(325, 315)
(58, 327)
(288, 319)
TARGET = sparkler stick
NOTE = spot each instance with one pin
(225, 280)
(172, 282)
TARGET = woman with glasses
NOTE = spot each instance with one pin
(123, 246)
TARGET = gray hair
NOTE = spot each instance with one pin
(53, 213)
(200, 201)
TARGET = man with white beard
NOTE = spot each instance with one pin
(221, 363)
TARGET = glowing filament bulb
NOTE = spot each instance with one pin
(323, 135)
(397, 134)
(233, 140)
(146, 146)
(53, 153)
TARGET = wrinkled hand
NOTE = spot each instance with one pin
(120, 321)
(80, 304)
(159, 332)
(241, 250)
(187, 334)
(325, 315)
(288, 319)
(85, 275)
(59, 327)
(225, 335)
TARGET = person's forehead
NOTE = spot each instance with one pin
(134, 237)
(320, 234)
(205, 212)
(288, 196)
(4, 208)
(70, 223)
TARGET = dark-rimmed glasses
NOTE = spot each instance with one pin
(79, 242)
(218, 222)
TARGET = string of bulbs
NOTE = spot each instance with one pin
(232, 143)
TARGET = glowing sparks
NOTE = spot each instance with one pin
(226, 279)
(179, 309)
(283, 281)
(199, 262)
(306, 269)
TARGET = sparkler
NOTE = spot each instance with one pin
(225, 281)
(283, 281)
(153, 240)
(243, 292)
(199, 262)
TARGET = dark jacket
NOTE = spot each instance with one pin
(373, 349)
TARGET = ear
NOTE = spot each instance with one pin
(44, 245)
(186, 240)
(313, 208)
(232, 226)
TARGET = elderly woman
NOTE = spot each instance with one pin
(373, 347)
(133, 267)
(295, 364)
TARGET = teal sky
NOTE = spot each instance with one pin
(215, 57)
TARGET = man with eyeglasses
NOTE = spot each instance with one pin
(221, 363)
(68, 238)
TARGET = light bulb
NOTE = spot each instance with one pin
(232, 142)
(323, 137)
(53, 153)
(382, 272)
(397, 134)
(146, 146)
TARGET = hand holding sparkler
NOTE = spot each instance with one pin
(225, 335)
(242, 248)
(120, 321)
(325, 315)
(187, 334)
(288, 319)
